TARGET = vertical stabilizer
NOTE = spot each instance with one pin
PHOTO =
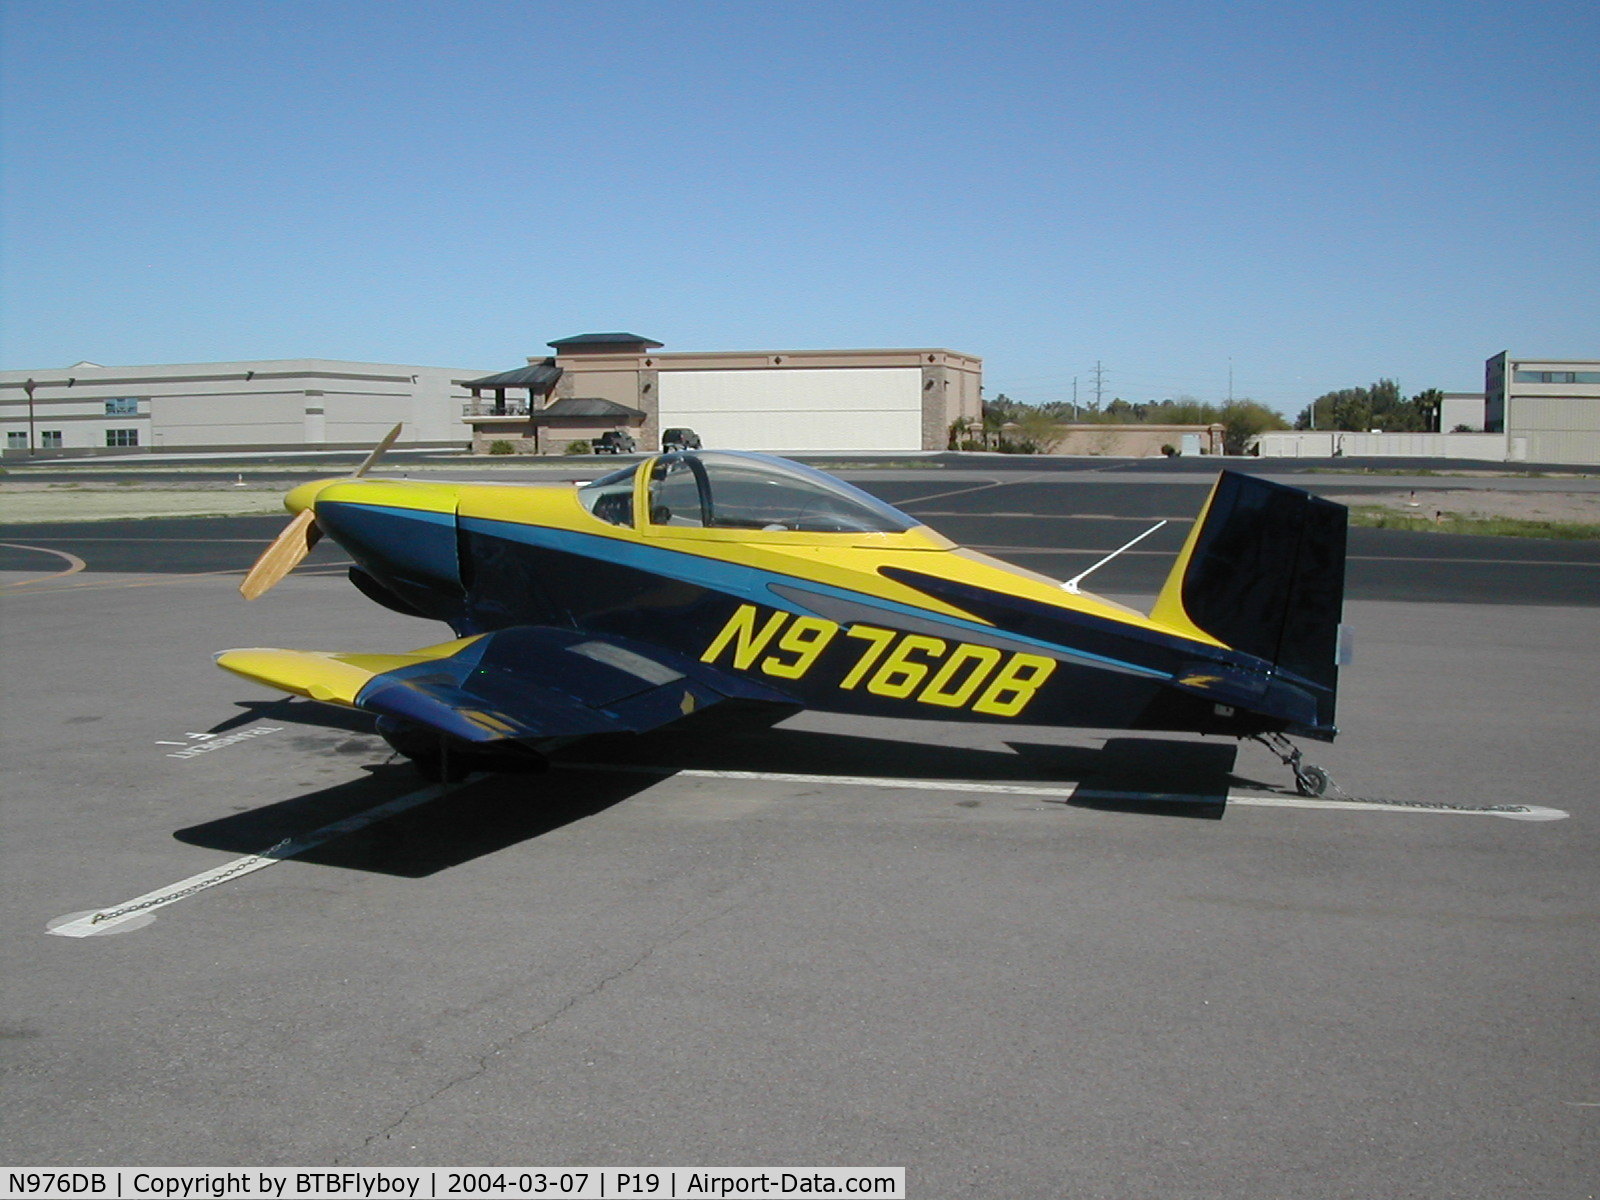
(1263, 572)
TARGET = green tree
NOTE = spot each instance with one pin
(1427, 404)
(1244, 419)
(966, 434)
(991, 432)
(1183, 410)
(1003, 408)
(1039, 432)
(1036, 428)
(1377, 406)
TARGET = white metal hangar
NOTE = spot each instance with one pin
(780, 400)
(1548, 408)
(274, 404)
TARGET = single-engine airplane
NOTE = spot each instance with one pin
(707, 579)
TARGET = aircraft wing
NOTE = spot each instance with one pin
(525, 683)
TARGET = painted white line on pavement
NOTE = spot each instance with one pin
(1520, 812)
(135, 913)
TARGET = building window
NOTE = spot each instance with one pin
(122, 437)
(16, 441)
(50, 439)
(1557, 376)
(122, 406)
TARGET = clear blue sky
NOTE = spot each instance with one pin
(1324, 193)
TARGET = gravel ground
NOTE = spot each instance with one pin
(1582, 507)
(33, 503)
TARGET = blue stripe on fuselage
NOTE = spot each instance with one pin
(753, 584)
(409, 544)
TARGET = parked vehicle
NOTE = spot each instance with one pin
(615, 441)
(679, 439)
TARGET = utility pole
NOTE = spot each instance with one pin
(1099, 385)
(1074, 399)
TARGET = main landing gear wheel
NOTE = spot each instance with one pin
(1308, 780)
(444, 760)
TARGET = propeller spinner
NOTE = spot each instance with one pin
(297, 538)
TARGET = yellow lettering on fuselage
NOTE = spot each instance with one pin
(891, 664)
(741, 629)
(877, 642)
(805, 639)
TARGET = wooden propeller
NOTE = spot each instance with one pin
(297, 538)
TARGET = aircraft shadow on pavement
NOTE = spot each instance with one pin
(1155, 776)
(294, 711)
(1152, 776)
(482, 817)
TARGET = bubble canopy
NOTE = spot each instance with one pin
(730, 489)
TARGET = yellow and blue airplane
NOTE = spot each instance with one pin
(700, 579)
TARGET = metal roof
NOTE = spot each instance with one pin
(587, 406)
(535, 375)
(602, 339)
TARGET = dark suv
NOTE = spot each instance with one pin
(679, 439)
(614, 441)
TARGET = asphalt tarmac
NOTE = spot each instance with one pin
(1016, 961)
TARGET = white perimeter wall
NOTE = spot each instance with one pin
(1489, 446)
(842, 408)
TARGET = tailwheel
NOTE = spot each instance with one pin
(1311, 781)
(1308, 780)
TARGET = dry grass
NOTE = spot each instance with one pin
(1370, 517)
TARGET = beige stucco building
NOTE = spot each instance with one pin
(779, 400)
